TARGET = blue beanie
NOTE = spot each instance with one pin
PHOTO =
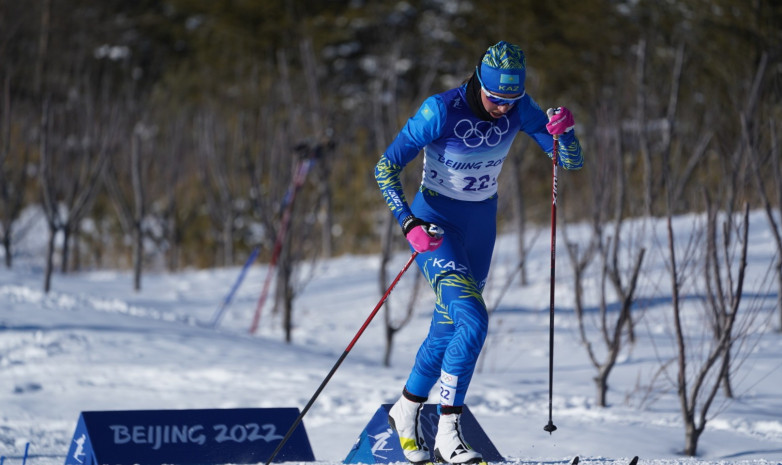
(503, 69)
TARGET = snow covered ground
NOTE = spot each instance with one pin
(94, 344)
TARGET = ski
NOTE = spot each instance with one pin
(633, 461)
(576, 460)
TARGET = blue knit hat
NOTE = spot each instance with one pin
(503, 69)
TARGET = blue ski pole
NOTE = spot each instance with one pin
(220, 310)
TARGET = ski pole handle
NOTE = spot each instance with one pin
(435, 231)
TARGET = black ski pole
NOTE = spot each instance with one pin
(550, 428)
(341, 358)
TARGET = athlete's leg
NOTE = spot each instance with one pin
(460, 320)
(429, 359)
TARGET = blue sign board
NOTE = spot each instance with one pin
(378, 443)
(209, 436)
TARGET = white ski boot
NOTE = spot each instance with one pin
(449, 444)
(405, 418)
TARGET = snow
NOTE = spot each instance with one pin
(92, 343)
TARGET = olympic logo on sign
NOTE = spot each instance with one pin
(473, 134)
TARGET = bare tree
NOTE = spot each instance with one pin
(270, 176)
(322, 139)
(608, 181)
(285, 289)
(43, 45)
(384, 117)
(278, 175)
(722, 300)
(175, 199)
(130, 197)
(393, 322)
(297, 240)
(13, 169)
(699, 378)
(76, 140)
(613, 331)
(519, 209)
(641, 118)
(285, 164)
(687, 154)
(773, 167)
(218, 147)
(767, 158)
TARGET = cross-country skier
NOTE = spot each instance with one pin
(465, 133)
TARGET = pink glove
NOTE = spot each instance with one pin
(560, 121)
(423, 236)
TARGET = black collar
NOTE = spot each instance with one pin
(473, 94)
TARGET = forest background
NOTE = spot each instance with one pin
(169, 134)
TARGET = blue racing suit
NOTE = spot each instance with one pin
(463, 157)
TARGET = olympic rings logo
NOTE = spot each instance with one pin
(475, 134)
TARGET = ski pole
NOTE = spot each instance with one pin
(298, 180)
(341, 358)
(550, 428)
(227, 301)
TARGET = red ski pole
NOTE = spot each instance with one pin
(298, 181)
(341, 358)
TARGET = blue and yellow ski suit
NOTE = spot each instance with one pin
(463, 157)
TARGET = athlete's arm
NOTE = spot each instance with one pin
(424, 127)
(533, 122)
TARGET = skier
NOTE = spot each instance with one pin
(465, 133)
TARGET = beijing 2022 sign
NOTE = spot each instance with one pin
(187, 437)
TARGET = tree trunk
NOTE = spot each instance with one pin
(386, 246)
(138, 245)
(43, 46)
(779, 291)
(48, 202)
(691, 437)
(727, 386)
(389, 333)
(138, 204)
(285, 289)
(76, 248)
(640, 115)
(66, 248)
(601, 382)
(228, 241)
(7, 248)
(47, 280)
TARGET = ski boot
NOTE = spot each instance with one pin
(449, 444)
(405, 418)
